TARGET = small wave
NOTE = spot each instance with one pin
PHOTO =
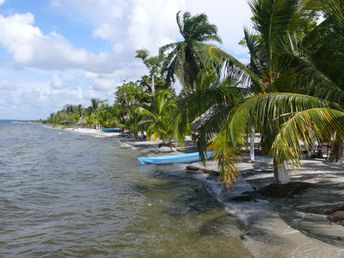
(125, 145)
(250, 213)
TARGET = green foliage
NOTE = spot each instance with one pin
(98, 114)
(128, 97)
(158, 117)
(293, 75)
(69, 115)
(292, 90)
(309, 126)
(182, 58)
(157, 77)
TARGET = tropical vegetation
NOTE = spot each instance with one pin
(291, 91)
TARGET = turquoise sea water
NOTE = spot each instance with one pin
(63, 194)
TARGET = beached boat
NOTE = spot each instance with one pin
(175, 159)
(111, 130)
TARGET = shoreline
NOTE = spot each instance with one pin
(293, 220)
(299, 222)
(92, 132)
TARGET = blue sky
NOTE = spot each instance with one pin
(56, 52)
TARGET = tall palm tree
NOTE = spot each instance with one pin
(183, 58)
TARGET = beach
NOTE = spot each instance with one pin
(298, 223)
(92, 132)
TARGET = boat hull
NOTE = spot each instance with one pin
(111, 130)
(175, 159)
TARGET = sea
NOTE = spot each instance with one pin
(69, 195)
(64, 194)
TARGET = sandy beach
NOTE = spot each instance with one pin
(92, 132)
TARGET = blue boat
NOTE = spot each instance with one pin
(175, 159)
(111, 130)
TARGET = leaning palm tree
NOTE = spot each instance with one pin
(285, 118)
(276, 69)
(182, 58)
(300, 118)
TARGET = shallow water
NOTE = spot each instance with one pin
(63, 194)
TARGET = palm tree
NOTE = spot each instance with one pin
(298, 64)
(158, 117)
(276, 69)
(94, 118)
(300, 118)
(183, 57)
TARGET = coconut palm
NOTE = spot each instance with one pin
(283, 126)
(275, 72)
(182, 58)
(300, 118)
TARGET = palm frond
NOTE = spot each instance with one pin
(269, 107)
(272, 19)
(253, 46)
(227, 157)
(266, 112)
(234, 67)
(307, 127)
(181, 21)
(167, 48)
(336, 9)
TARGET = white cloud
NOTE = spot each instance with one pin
(136, 24)
(105, 31)
(33, 99)
(100, 82)
(70, 74)
(30, 47)
(56, 83)
(126, 26)
(2, 2)
(6, 86)
(230, 16)
(62, 81)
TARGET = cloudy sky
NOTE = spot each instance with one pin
(55, 52)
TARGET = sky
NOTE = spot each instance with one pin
(58, 52)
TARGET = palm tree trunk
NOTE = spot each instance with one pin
(281, 172)
(252, 156)
(337, 153)
(153, 86)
